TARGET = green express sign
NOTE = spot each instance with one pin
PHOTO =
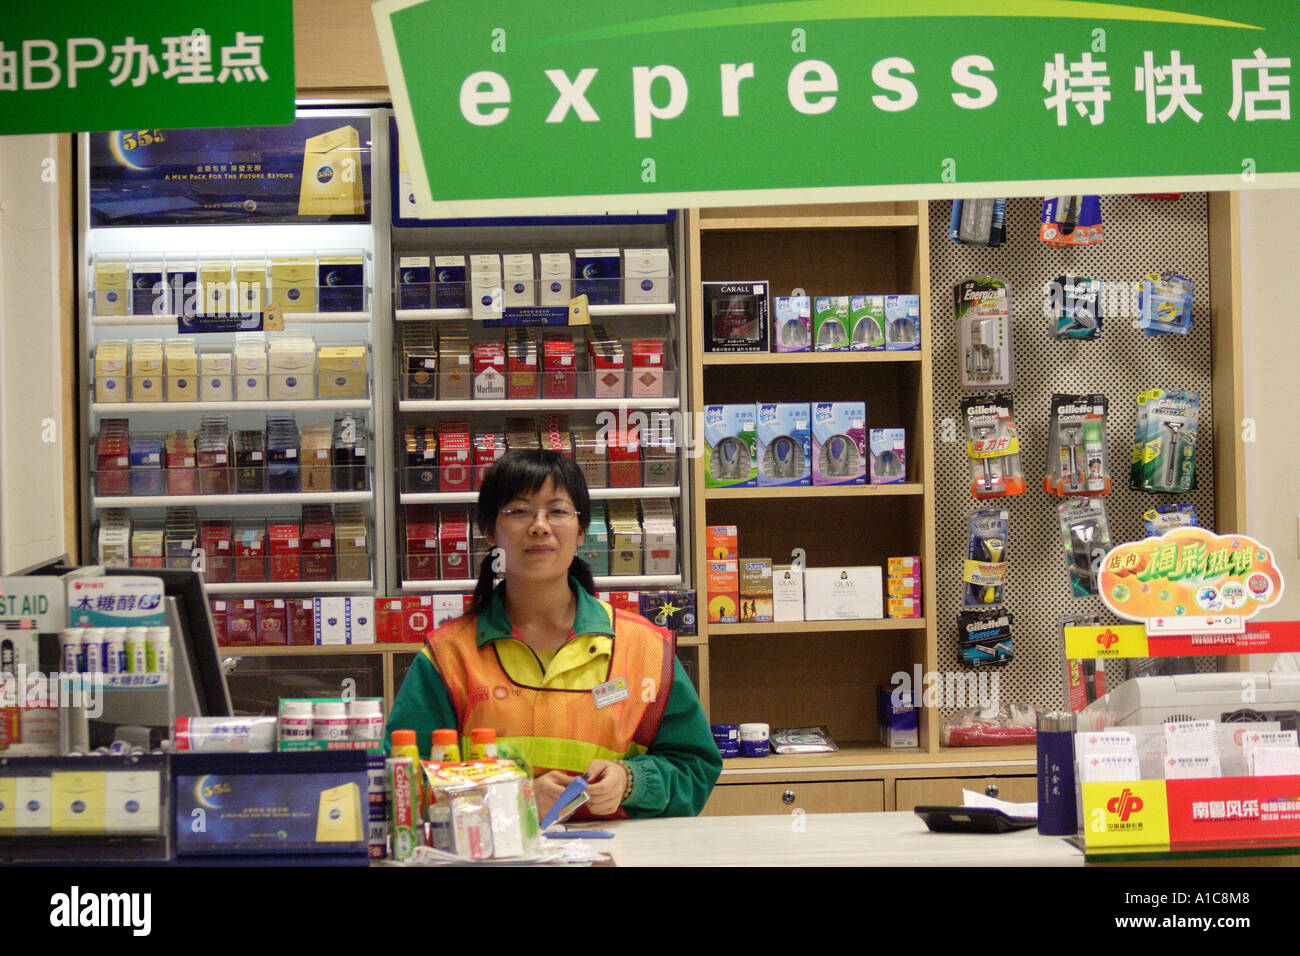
(515, 106)
(80, 65)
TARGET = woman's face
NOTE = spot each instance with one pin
(539, 534)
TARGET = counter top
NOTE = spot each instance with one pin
(823, 839)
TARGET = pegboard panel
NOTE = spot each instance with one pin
(1142, 235)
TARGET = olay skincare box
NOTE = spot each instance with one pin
(839, 443)
(842, 594)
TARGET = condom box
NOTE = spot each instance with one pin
(840, 594)
(866, 323)
(755, 590)
(792, 329)
(888, 447)
(723, 590)
(736, 316)
(830, 323)
(902, 323)
(897, 716)
(784, 444)
(721, 541)
(730, 442)
(839, 443)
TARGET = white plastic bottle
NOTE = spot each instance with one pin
(158, 651)
(330, 720)
(295, 720)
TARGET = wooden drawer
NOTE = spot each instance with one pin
(910, 793)
(837, 796)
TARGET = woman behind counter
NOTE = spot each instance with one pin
(535, 657)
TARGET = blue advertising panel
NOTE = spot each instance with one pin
(316, 169)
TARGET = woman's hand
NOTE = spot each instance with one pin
(548, 787)
(606, 781)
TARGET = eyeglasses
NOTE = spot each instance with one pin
(521, 517)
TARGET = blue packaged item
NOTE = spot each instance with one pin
(784, 444)
(727, 737)
(146, 466)
(1162, 518)
(888, 447)
(341, 285)
(1165, 301)
(730, 443)
(902, 323)
(1057, 811)
(450, 288)
(598, 275)
(793, 329)
(980, 222)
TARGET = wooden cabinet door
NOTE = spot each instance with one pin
(838, 796)
(910, 793)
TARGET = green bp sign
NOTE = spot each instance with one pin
(518, 106)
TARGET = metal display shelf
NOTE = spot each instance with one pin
(597, 494)
(286, 498)
(597, 311)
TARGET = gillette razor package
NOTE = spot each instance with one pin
(784, 444)
(993, 446)
(888, 447)
(1165, 303)
(1085, 534)
(830, 323)
(839, 432)
(1164, 441)
(1076, 447)
(736, 316)
(983, 332)
(984, 637)
(902, 323)
(1071, 221)
(1074, 305)
(866, 323)
(985, 570)
(793, 329)
(979, 222)
(730, 441)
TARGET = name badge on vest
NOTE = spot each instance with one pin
(610, 692)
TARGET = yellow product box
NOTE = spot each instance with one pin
(111, 371)
(722, 585)
(77, 802)
(341, 371)
(8, 793)
(903, 607)
(32, 803)
(250, 284)
(339, 816)
(214, 274)
(250, 369)
(293, 285)
(215, 378)
(110, 288)
(331, 175)
(131, 801)
(182, 370)
(147, 370)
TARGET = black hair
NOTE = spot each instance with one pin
(523, 472)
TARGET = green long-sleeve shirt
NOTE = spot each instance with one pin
(673, 778)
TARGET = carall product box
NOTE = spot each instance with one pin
(839, 435)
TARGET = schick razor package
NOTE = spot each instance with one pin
(867, 323)
(902, 323)
(730, 443)
(839, 443)
(784, 444)
(831, 323)
(793, 332)
(1162, 518)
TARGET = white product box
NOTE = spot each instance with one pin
(250, 371)
(787, 594)
(216, 381)
(291, 368)
(660, 544)
(331, 614)
(131, 801)
(554, 278)
(33, 797)
(646, 276)
(1112, 767)
(519, 279)
(1192, 766)
(485, 290)
(447, 607)
(361, 620)
(838, 594)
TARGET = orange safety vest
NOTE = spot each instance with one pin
(560, 729)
